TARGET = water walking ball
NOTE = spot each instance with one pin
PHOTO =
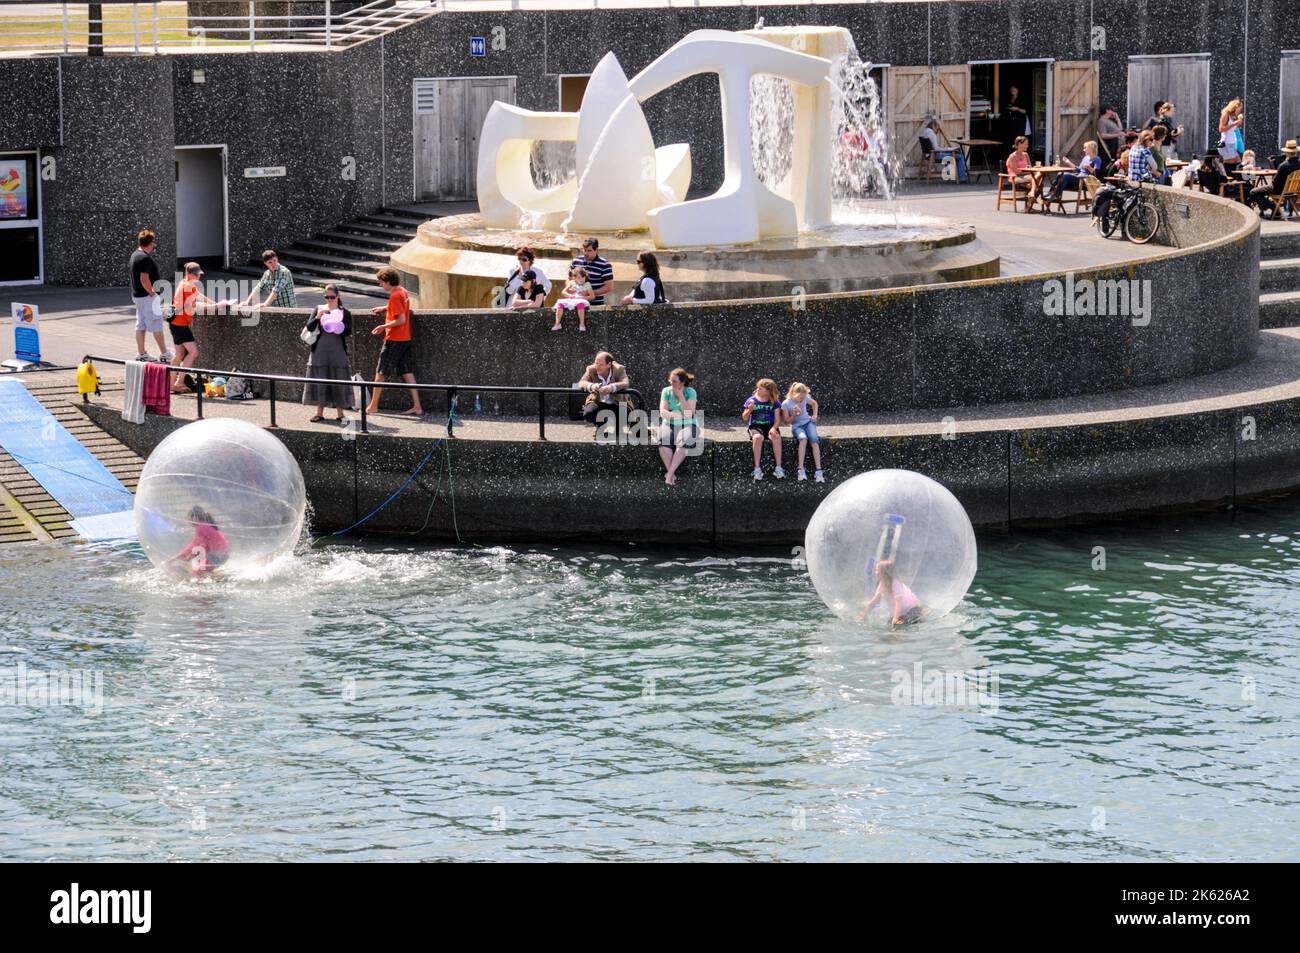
(219, 494)
(896, 515)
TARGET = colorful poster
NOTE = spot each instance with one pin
(13, 189)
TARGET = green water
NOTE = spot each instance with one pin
(380, 701)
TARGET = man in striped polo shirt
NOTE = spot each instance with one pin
(599, 271)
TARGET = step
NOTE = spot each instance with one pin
(1279, 309)
(1281, 244)
(378, 229)
(399, 220)
(1279, 274)
(406, 214)
(290, 255)
(355, 252)
(356, 238)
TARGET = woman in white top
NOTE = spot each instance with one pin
(648, 289)
(525, 262)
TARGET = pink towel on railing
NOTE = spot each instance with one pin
(157, 390)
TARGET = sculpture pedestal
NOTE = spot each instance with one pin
(460, 263)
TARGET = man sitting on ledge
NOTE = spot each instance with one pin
(602, 381)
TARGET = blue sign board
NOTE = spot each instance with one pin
(477, 46)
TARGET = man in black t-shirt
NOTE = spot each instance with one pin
(144, 295)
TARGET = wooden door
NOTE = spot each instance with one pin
(909, 103)
(1289, 116)
(1074, 91)
(1146, 84)
(449, 116)
(951, 100)
(1189, 91)
(916, 92)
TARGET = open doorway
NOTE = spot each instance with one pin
(1010, 98)
(201, 231)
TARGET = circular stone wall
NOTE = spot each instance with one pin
(459, 262)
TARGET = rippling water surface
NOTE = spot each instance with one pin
(379, 701)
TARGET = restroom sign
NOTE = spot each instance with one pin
(478, 46)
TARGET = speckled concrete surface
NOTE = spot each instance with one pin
(1204, 441)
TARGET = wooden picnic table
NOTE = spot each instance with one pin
(984, 168)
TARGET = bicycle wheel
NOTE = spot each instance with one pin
(1142, 222)
(1110, 221)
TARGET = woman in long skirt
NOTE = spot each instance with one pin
(329, 358)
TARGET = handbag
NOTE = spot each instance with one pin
(308, 336)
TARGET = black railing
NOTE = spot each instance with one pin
(451, 390)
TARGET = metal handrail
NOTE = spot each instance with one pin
(158, 28)
(451, 390)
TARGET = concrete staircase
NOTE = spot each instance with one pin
(27, 512)
(348, 254)
(1279, 279)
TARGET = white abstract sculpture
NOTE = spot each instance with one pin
(624, 182)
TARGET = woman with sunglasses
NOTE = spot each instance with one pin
(329, 358)
(649, 289)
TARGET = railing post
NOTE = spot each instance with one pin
(365, 396)
(541, 415)
(329, 27)
(135, 27)
(252, 24)
(65, 26)
(155, 29)
(451, 410)
(198, 394)
(273, 424)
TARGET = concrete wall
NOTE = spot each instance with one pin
(114, 172)
(553, 492)
(927, 347)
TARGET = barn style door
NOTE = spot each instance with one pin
(915, 92)
(449, 116)
(1075, 90)
(1182, 80)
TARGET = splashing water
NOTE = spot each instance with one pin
(862, 165)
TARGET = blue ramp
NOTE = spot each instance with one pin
(55, 458)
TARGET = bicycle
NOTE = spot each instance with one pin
(1139, 213)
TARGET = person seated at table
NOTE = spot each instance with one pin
(1211, 174)
(1017, 163)
(1248, 160)
(930, 145)
(1089, 165)
(1263, 196)
(1140, 164)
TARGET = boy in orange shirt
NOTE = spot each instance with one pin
(395, 356)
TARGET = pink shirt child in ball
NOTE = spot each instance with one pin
(209, 547)
(906, 608)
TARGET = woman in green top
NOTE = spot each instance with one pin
(678, 428)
